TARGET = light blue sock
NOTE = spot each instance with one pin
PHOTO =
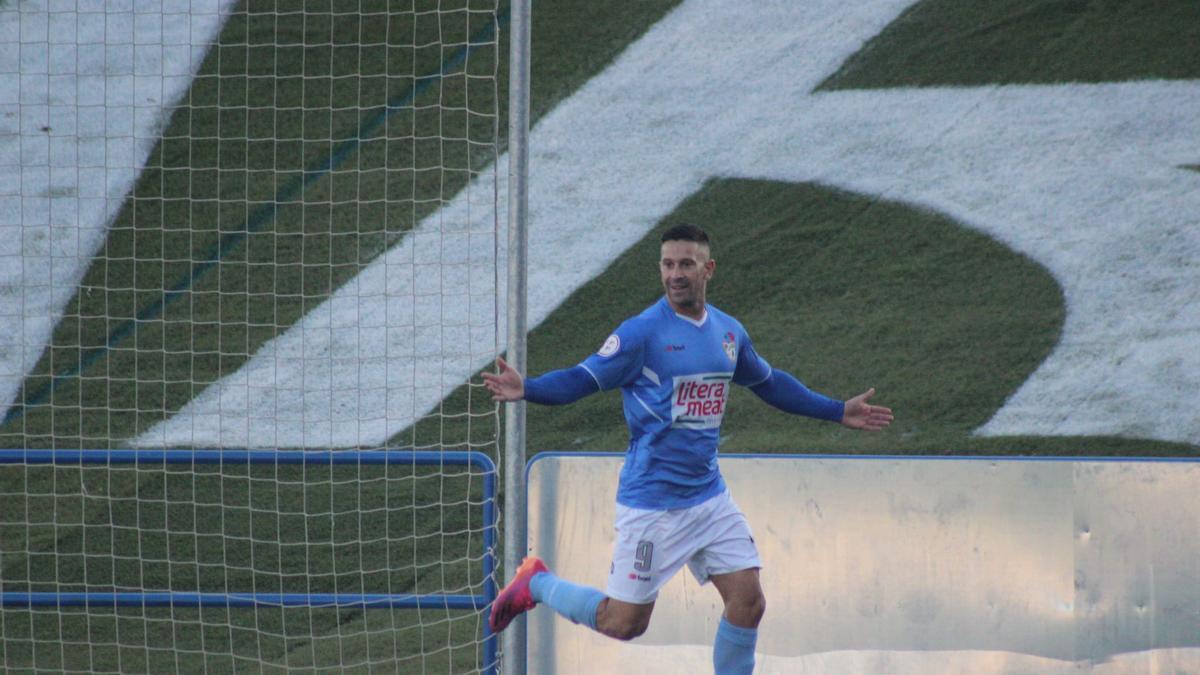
(577, 603)
(733, 652)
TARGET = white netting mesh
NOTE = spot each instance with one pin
(238, 225)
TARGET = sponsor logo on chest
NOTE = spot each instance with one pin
(699, 400)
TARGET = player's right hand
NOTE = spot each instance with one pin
(506, 385)
(862, 415)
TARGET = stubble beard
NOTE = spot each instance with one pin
(684, 298)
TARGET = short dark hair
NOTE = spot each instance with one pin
(686, 232)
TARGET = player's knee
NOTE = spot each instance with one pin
(626, 629)
(636, 629)
(626, 633)
(758, 607)
(747, 611)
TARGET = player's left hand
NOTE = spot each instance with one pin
(862, 415)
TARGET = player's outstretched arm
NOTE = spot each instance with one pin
(506, 385)
(556, 387)
(862, 415)
(785, 392)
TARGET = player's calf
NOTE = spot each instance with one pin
(532, 584)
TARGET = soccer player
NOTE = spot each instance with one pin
(675, 363)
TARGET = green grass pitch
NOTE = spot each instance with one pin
(791, 266)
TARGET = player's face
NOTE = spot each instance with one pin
(686, 269)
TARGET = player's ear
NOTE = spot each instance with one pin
(709, 267)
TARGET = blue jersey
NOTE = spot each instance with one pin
(675, 374)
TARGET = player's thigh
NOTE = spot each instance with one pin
(651, 547)
(727, 542)
(742, 594)
(742, 586)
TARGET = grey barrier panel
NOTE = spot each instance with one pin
(992, 565)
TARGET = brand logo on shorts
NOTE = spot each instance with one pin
(699, 400)
(634, 576)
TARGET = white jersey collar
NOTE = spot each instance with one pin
(698, 323)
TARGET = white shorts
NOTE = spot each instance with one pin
(712, 538)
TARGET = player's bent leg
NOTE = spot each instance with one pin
(742, 594)
(534, 583)
(578, 604)
(623, 620)
(733, 650)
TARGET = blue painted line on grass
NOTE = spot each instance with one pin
(263, 215)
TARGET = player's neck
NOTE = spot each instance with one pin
(695, 311)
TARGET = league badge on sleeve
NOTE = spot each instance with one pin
(730, 345)
(611, 346)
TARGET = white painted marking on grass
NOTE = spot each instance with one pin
(1081, 178)
(83, 89)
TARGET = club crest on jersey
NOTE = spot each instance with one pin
(730, 345)
(699, 400)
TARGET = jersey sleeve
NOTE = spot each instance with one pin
(785, 392)
(619, 360)
(559, 387)
(751, 369)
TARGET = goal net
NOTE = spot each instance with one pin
(264, 226)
